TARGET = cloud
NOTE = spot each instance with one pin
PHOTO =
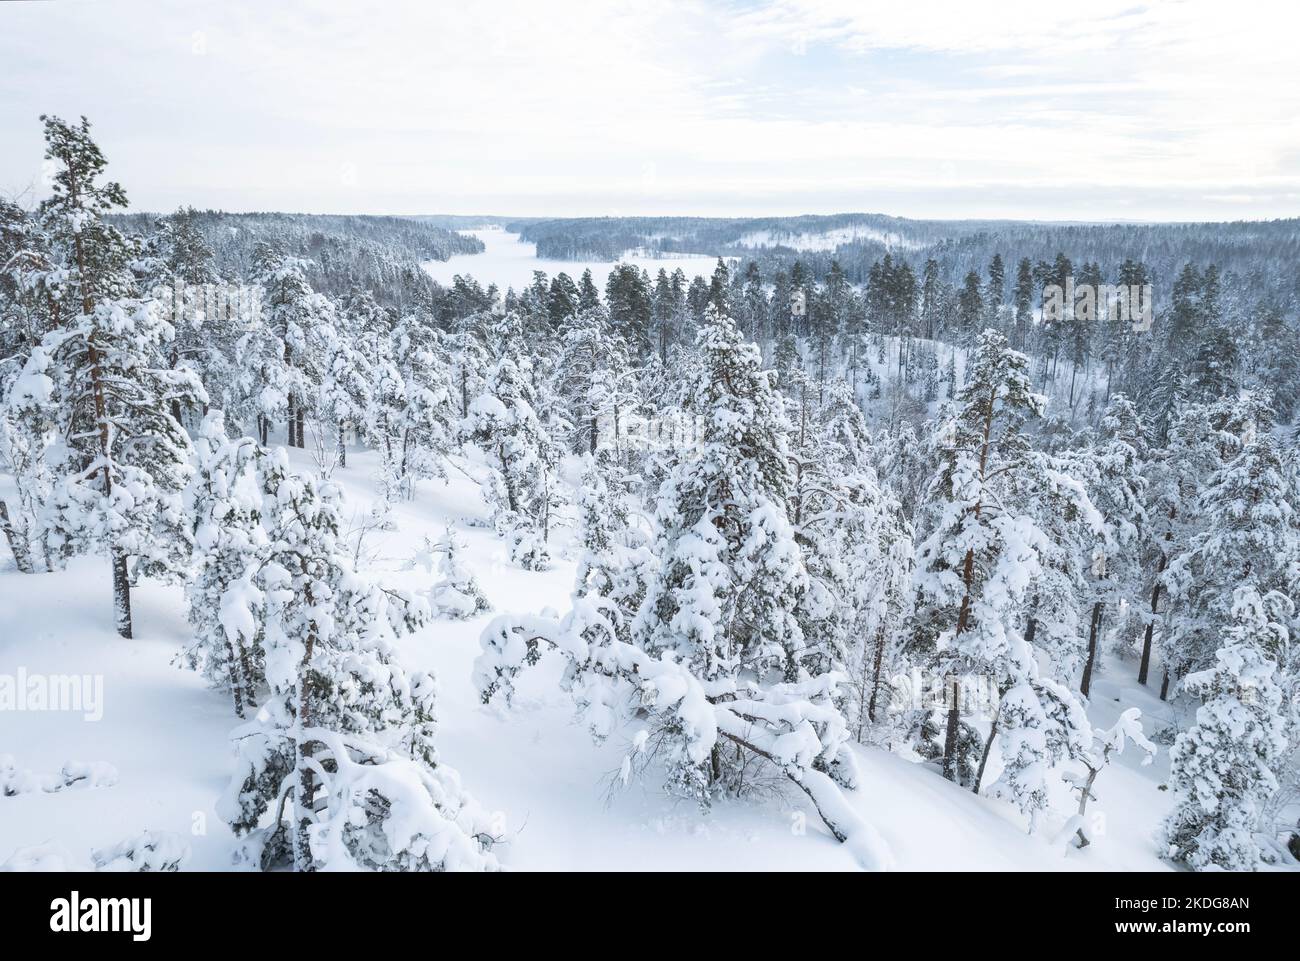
(511, 107)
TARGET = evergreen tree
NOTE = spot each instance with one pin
(1223, 766)
(99, 381)
(343, 747)
(974, 566)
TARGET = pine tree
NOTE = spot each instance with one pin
(593, 380)
(1249, 539)
(732, 576)
(1113, 471)
(1223, 766)
(224, 506)
(99, 381)
(520, 491)
(974, 567)
(458, 594)
(343, 747)
(283, 358)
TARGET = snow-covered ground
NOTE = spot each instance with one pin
(509, 261)
(165, 734)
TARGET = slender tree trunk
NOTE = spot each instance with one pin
(304, 796)
(950, 736)
(1084, 795)
(17, 542)
(236, 682)
(988, 749)
(968, 578)
(875, 681)
(121, 594)
(1086, 685)
(1155, 603)
(343, 447)
(1151, 624)
(290, 423)
(1164, 687)
(302, 417)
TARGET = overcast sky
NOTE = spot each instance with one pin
(1091, 110)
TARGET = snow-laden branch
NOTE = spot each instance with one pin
(793, 726)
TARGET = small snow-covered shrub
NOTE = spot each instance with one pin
(148, 851)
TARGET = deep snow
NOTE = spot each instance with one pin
(550, 787)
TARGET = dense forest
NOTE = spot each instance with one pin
(783, 485)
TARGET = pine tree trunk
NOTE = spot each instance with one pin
(1146, 640)
(343, 447)
(302, 417)
(121, 594)
(236, 682)
(17, 542)
(875, 681)
(988, 749)
(950, 736)
(1155, 603)
(1164, 687)
(305, 794)
(1086, 685)
(968, 579)
(290, 422)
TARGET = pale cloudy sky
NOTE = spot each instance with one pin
(1022, 108)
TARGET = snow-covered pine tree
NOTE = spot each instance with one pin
(602, 524)
(592, 379)
(458, 594)
(99, 382)
(342, 751)
(283, 357)
(732, 576)
(1223, 767)
(1112, 470)
(1095, 759)
(178, 267)
(224, 508)
(973, 569)
(1249, 538)
(716, 668)
(504, 426)
(428, 422)
(1176, 474)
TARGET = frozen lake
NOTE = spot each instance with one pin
(508, 261)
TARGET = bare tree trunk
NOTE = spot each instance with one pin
(1146, 641)
(17, 542)
(988, 749)
(1086, 685)
(304, 796)
(236, 682)
(1164, 687)
(121, 594)
(875, 681)
(1084, 795)
(343, 447)
(950, 736)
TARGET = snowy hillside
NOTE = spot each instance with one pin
(317, 559)
(556, 795)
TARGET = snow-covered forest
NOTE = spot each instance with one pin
(316, 563)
